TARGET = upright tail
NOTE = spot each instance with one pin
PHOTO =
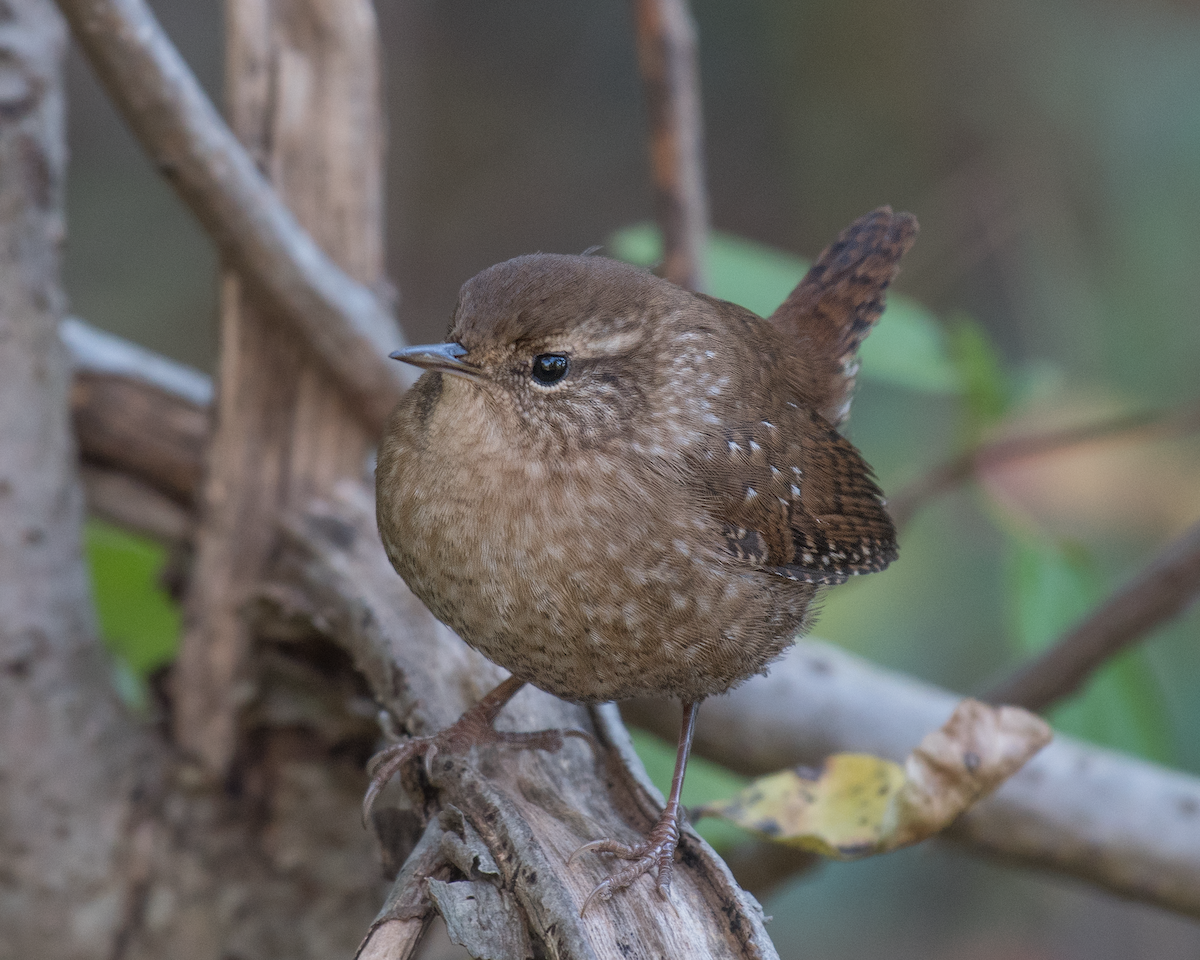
(834, 307)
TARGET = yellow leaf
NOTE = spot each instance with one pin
(857, 805)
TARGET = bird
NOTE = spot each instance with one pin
(614, 487)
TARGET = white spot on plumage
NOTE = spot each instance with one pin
(734, 448)
(768, 424)
(754, 447)
(795, 490)
(751, 493)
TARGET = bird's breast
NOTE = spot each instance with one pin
(594, 578)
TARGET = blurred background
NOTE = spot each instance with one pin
(1051, 151)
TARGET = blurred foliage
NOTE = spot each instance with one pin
(139, 622)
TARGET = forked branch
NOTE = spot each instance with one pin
(183, 134)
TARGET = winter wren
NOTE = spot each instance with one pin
(616, 488)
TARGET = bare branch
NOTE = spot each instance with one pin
(996, 453)
(666, 48)
(138, 412)
(1123, 824)
(1161, 592)
(185, 137)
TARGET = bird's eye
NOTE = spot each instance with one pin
(549, 368)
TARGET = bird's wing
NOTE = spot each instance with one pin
(832, 310)
(792, 496)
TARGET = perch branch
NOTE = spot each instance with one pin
(1120, 823)
(958, 470)
(186, 139)
(1159, 593)
(510, 819)
(667, 60)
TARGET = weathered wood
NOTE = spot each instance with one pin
(304, 97)
(348, 324)
(71, 760)
(528, 810)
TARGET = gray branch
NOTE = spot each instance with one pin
(1123, 824)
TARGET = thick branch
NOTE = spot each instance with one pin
(1159, 593)
(185, 137)
(667, 59)
(1122, 824)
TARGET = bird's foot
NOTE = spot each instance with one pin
(473, 728)
(656, 852)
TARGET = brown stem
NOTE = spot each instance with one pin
(1168, 585)
(185, 137)
(666, 48)
(904, 505)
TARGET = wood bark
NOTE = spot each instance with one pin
(73, 767)
(304, 98)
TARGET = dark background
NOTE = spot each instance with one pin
(1052, 153)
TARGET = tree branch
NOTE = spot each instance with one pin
(1122, 824)
(185, 137)
(667, 59)
(1159, 593)
(958, 470)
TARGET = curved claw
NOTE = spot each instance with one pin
(385, 765)
(652, 854)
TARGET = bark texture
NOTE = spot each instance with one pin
(71, 762)
(304, 98)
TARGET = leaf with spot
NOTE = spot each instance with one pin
(858, 805)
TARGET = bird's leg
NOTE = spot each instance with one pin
(473, 727)
(657, 850)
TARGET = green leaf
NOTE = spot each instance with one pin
(907, 348)
(1055, 586)
(140, 624)
(985, 383)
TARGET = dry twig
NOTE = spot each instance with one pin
(667, 58)
(1122, 824)
(987, 456)
(1163, 590)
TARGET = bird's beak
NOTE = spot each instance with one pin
(442, 357)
